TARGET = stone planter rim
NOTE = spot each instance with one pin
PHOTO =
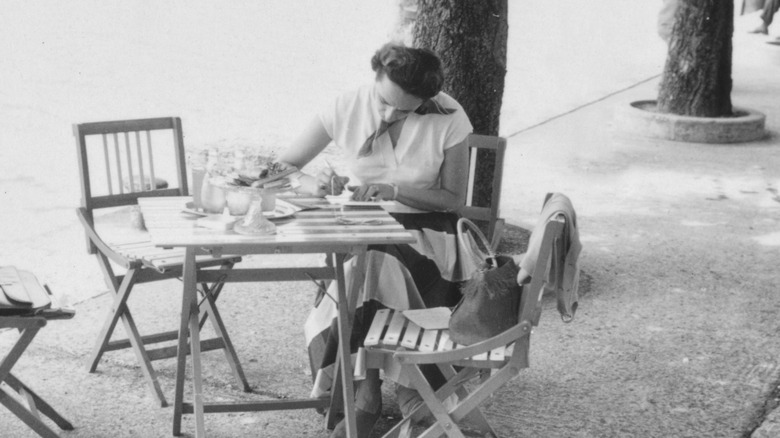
(746, 126)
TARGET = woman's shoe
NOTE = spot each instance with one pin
(408, 401)
(365, 424)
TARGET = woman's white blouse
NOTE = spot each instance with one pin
(419, 153)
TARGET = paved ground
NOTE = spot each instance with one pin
(677, 332)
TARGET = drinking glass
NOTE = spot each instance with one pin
(212, 195)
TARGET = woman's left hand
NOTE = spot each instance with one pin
(371, 192)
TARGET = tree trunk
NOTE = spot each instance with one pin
(697, 76)
(471, 37)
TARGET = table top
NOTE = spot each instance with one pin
(170, 226)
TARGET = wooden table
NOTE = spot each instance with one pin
(311, 231)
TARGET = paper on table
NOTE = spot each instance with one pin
(435, 318)
(347, 202)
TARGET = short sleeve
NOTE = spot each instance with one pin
(340, 117)
(460, 128)
(327, 117)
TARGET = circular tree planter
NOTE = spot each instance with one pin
(641, 118)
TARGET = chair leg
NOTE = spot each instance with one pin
(455, 380)
(444, 423)
(215, 289)
(208, 310)
(121, 312)
(143, 358)
(26, 415)
(121, 294)
(36, 402)
(230, 352)
(475, 417)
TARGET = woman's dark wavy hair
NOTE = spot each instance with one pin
(417, 71)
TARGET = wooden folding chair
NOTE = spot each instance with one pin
(121, 161)
(18, 397)
(473, 372)
(491, 148)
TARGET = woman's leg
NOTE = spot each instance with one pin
(368, 393)
(368, 406)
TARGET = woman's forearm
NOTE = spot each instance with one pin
(430, 199)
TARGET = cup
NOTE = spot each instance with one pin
(212, 196)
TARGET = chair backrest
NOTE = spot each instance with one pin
(530, 300)
(120, 161)
(494, 148)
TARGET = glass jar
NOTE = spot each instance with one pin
(212, 195)
(255, 222)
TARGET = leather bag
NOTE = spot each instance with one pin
(491, 297)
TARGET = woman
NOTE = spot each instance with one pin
(404, 140)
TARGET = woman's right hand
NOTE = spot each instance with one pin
(330, 183)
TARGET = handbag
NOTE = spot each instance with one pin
(491, 297)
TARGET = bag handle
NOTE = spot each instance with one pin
(464, 223)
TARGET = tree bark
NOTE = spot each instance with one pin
(697, 77)
(470, 36)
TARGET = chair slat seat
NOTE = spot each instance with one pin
(391, 330)
(163, 259)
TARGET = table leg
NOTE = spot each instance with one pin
(345, 363)
(189, 327)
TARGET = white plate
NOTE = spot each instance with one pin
(281, 211)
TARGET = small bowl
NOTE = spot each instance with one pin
(239, 199)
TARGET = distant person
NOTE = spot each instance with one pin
(768, 13)
(666, 18)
